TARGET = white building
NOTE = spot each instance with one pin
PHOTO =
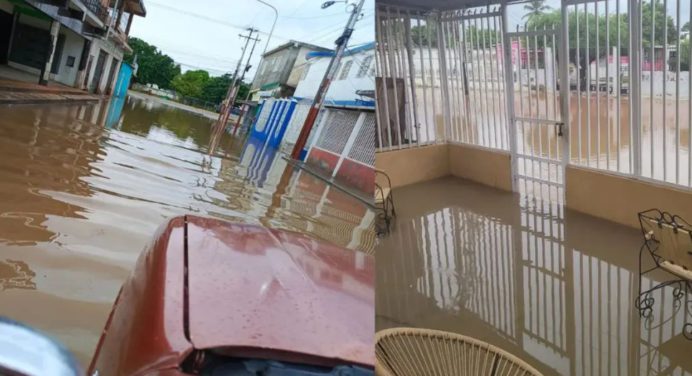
(354, 83)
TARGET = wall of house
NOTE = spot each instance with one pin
(275, 68)
(413, 165)
(113, 51)
(299, 67)
(72, 48)
(341, 91)
(485, 166)
(619, 199)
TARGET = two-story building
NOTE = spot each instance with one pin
(353, 85)
(281, 69)
(77, 43)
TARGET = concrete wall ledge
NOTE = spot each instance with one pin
(619, 198)
(413, 165)
(482, 165)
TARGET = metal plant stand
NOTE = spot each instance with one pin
(668, 242)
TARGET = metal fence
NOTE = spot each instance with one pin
(630, 88)
(622, 90)
(440, 78)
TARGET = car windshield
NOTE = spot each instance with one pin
(256, 367)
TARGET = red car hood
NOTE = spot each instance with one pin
(253, 291)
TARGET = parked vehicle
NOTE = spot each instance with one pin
(209, 297)
(212, 297)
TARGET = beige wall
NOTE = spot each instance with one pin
(414, 165)
(619, 199)
(489, 167)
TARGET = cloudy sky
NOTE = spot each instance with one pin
(203, 34)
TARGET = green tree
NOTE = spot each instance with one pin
(154, 66)
(535, 8)
(588, 25)
(216, 88)
(424, 35)
(191, 83)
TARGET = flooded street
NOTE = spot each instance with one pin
(550, 285)
(84, 187)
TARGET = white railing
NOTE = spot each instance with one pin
(441, 79)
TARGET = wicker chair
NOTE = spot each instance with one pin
(425, 352)
(668, 242)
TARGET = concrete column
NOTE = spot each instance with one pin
(129, 24)
(45, 72)
(83, 65)
(120, 10)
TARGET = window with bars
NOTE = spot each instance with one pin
(364, 67)
(345, 70)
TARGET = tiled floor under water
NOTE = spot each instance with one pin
(552, 286)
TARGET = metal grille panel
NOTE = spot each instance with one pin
(337, 130)
(363, 149)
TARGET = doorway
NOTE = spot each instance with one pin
(98, 72)
(6, 22)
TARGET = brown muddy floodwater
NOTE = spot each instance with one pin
(554, 287)
(83, 188)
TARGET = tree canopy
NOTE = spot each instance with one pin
(190, 83)
(155, 67)
(535, 8)
(595, 27)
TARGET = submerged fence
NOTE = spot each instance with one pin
(463, 76)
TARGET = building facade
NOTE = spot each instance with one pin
(353, 85)
(281, 69)
(77, 43)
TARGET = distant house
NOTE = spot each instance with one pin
(281, 69)
(78, 43)
(353, 85)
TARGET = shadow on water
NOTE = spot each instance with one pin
(85, 186)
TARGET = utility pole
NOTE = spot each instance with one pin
(341, 44)
(227, 104)
(271, 32)
(247, 68)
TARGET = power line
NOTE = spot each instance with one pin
(206, 18)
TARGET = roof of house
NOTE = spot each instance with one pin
(350, 51)
(133, 6)
(293, 43)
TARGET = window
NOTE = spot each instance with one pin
(364, 67)
(346, 70)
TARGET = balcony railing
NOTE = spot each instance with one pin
(97, 8)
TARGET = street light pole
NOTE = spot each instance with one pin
(271, 32)
(341, 44)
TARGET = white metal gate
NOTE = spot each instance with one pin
(537, 107)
